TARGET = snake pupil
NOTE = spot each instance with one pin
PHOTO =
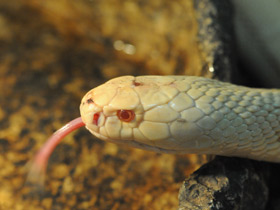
(125, 115)
(95, 118)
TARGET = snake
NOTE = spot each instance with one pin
(179, 115)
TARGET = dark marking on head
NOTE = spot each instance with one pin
(89, 101)
(137, 83)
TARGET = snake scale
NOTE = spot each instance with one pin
(180, 114)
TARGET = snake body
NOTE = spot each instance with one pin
(186, 114)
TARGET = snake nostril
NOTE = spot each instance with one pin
(89, 101)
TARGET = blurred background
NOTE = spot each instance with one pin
(52, 52)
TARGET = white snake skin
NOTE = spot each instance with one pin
(186, 114)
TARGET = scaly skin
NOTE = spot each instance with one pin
(185, 114)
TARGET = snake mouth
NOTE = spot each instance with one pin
(135, 144)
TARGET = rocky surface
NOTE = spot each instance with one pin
(227, 184)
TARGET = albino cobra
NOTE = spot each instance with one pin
(179, 114)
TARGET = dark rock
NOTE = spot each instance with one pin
(226, 184)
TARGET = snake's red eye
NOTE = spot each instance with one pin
(125, 115)
(95, 118)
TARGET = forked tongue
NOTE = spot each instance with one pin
(39, 164)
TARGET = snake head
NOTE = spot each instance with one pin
(131, 110)
(113, 110)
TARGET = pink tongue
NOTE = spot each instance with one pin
(42, 157)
